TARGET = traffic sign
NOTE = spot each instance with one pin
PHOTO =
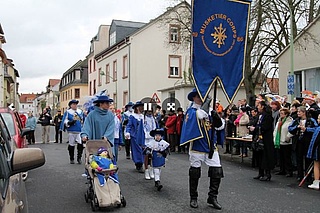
(156, 98)
(290, 82)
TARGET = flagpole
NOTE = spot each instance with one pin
(212, 123)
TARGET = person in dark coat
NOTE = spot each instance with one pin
(297, 128)
(264, 129)
(230, 128)
(57, 122)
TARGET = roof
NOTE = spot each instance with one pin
(76, 65)
(24, 98)
(53, 82)
(2, 38)
(3, 56)
(141, 26)
(131, 24)
(275, 60)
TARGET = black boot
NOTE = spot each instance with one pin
(267, 177)
(260, 175)
(194, 175)
(158, 185)
(79, 152)
(71, 153)
(139, 167)
(215, 174)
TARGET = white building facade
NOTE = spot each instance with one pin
(306, 61)
(142, 63)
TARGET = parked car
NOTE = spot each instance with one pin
(13, 162)
(15, 126)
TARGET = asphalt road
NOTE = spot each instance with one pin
(59, 187)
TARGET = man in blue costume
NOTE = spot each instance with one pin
(72, 121)
(197, 131)
(100, 122)
(135, 132)
(125, 120)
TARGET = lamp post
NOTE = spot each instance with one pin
(291, 49)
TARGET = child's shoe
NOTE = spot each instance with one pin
(146, 174)
(158, 185)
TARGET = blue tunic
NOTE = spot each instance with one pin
(104, 163)
(314, 143)
(136, 131)
(196, 132)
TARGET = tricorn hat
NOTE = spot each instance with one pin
(130, 104)
(157, 132)
(73, 102)
(192, 94)
(137, 104)
(102, 99)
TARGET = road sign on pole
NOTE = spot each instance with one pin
(290, 84)
(156, 98)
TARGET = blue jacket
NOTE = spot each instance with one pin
(195, 132)
(31, 123)
(71, 115)
(314, 144)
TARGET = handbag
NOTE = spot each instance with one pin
(257, 144)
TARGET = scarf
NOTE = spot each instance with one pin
(237, 121)
(278, 134)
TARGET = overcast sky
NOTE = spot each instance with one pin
(45, 38)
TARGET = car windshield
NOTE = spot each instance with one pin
(7, 117)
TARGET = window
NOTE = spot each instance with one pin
(7, 117)
(174, 66)
(174, 34)
(125, 67)
(90, 88)
(113, 38)
(114, 76)
(94, 65)
(90, 68)
(115, 99)
(94, 87)
(107, 73)
(125, 98)
(77, 93)
(99, 77)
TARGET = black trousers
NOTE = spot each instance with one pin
(58, 135)
(303, 163)
(285, 159)
(30, 137)
(127, 143)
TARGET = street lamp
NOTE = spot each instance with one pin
(291, 49)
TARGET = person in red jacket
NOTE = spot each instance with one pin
(180, 118)
(23, 119)
(171, 130)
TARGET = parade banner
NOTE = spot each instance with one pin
(219, 44)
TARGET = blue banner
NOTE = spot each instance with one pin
(219, 43)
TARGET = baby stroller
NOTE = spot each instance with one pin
(109, 194)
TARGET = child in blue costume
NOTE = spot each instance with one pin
(103, 161)
(158, 148)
